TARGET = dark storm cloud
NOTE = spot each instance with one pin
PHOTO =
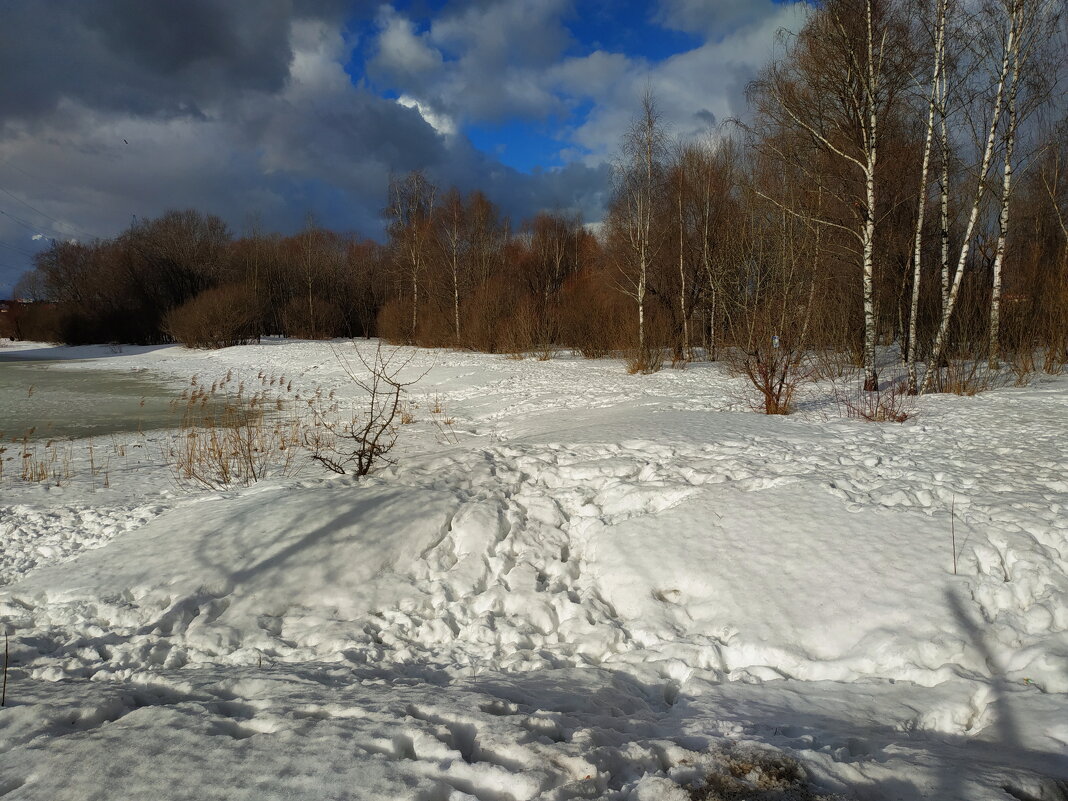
(145, 57)
(112, 116)
(573, 188)
(244, 108)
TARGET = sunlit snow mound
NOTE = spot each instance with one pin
(655, 551)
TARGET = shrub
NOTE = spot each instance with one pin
(216, 318)
(591, 316)
(362, 441)
(313, 318)
(492, 322)
(774, 368)
(645, 361)
(229, 437)
(395, 321)
(892, 403)
(517, 333)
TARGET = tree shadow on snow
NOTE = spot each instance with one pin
(813, 722)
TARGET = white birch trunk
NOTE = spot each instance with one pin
(685, 349)
(1006, 194)
(917, 255)
(456, 296)
(871, 377)
(988, 153)
(712, 326)
(943, 113)
(706, 256)
(415, 297)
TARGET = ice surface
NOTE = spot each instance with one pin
(586, 585)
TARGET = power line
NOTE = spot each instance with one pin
(72, 227)
(33, 208)
(22, 222)
(17, 249)
(37, 228)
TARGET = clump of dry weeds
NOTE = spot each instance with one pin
(754, 775)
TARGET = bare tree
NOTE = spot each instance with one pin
(452, 239)
(639, 178)
(1034, 19)
(410, 215)
(362, 441)
(1010, 29)
(770, 307)
(835, 87)
(681, 187)
(554, 245)
(937, 83)
(488, 236)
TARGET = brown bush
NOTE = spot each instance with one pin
(436, 327)
(38, 322)
(491, 318)
(592, 317)
(517, 333)
(313, 318)
(394, 321)
(649, 359)
(889, 403)
(41, 322)
(216, 318)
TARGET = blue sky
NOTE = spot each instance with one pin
(271, 110)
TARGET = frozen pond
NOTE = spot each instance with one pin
(55, 401)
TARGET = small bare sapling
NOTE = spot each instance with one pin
(362, 441)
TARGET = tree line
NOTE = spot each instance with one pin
(901, 180)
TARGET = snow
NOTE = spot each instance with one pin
(575, 583)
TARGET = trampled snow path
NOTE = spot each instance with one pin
(598, 589)
(35, 535)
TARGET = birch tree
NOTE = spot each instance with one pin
(1010, 27)
(1032, 20)
(836, 85)
(714, 176)
(681, 189)
(935, 98)
(639, 178)
(452, 239)
(410, 215)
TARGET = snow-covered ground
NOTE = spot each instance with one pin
(575, 583)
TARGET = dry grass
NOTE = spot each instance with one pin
(232, 433)
(53, 461)
(890, 403)
(443, 421)
(965, 377)
(229, 435)
(645, 360)
(544, 353)
(36, 461)
(1055, 361)
(753, 775)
